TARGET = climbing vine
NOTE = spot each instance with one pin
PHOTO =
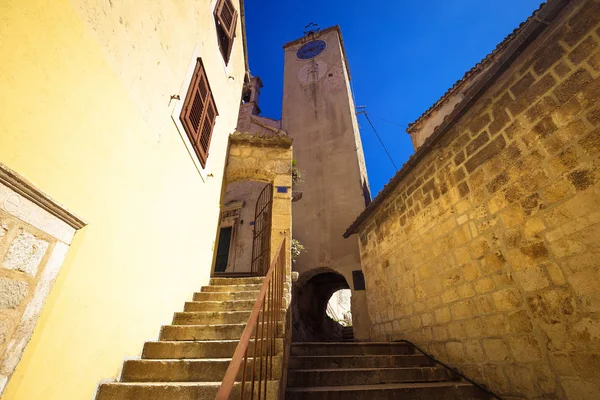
(296, 249)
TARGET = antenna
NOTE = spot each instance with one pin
(311, 28)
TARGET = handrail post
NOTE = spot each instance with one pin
(270, 302)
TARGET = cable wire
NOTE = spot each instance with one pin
(390, 122)
(370, 123)
(380, 141)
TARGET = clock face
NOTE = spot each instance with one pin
(311, 49)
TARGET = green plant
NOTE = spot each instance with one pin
(296, 249)
(296, 174)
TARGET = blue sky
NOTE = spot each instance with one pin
(403, 56)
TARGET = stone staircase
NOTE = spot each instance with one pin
(190, 358)
(373, 371)
(347, 334)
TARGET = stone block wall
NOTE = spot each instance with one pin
(24, 252)
(487, 254)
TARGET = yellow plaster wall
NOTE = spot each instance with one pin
(86, 117)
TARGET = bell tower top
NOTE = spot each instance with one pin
(252, 89)
(251, 93)
(312, 43)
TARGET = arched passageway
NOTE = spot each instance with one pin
(255, 162)
(311, 293)
(339, 307)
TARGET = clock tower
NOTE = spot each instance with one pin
(319, 114)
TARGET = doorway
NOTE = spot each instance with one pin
(223, 249)
(243, 245)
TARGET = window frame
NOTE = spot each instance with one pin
(195, 135)
(177, 105)
(221, 29)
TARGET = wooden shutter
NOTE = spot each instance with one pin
(199, 113)
(227, 16)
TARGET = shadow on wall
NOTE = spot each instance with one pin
(311, 293)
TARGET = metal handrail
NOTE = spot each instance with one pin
(269, 304)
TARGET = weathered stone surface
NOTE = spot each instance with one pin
(4, 328)
(583, 50)
(520, 322)
(524, 348)
(532, 278)
(455, 351)
(572, 85)
(580, 389)
(485, 153)
(12, 292)
(3, 228)
(496, 349)
(523, 84)
(507, 299)
(511, 248)
(548, 57)
(25, 253)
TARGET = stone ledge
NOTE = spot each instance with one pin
(261, 140)
(27, 190)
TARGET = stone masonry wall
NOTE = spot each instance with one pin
(24, 251)
(487, 255)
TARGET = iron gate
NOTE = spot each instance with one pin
(261, 243)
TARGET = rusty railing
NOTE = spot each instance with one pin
(264, 322)
(261, 236)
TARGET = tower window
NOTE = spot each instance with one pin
(199, 113)
(246, 96)
(225, 19)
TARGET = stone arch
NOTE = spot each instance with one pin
(308, 275)
(311, 293)
(265, 158)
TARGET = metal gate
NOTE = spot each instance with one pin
(261, 244)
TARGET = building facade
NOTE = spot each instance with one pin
(483, 249)
(111, 162)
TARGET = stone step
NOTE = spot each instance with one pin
(176, 391)
(370, 361)
(203, 370)
(367, 376)
(231, 288)
(348, 335)
(352, 348)
(200, 349)
(204, 332)
(236, 305)
(237, 281)
(404, 391)
(213, 317)
(225, 296)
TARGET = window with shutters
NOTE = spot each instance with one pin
(199, 112)
(225, 19)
